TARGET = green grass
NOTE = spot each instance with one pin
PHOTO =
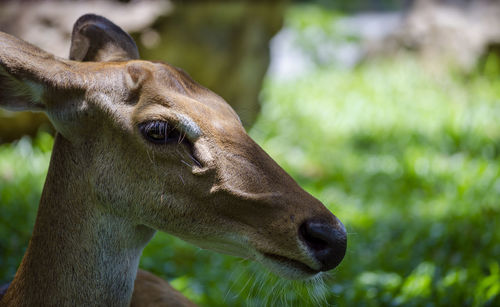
(406, 158)
(23, 167)
(409, 161)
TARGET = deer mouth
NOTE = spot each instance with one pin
(289, 268)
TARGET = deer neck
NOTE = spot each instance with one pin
(79, 253)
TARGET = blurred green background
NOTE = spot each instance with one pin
(406, 155)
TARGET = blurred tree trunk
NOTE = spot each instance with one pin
(224, 45)
(15, 125)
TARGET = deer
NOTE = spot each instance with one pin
(140, 147)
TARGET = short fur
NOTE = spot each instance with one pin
(108, 189)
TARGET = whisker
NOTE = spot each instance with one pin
(149, 157)
(282, 296)
(244, 287)
(254, 283)
(236, 281)
(268, 296)
(182, 158)
(187, 164)
(165, 131)
(182, 137)
(191, 157)
(182, 180)
(194, 160)
(261, 286)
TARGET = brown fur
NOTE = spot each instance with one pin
(151, 291)
(108, 189)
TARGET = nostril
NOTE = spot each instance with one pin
(327, 242)
(313, 239)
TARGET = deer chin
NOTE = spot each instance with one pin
(286, 267)
(232, 245)
(282, 266)
(129, 131)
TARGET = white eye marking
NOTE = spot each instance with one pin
(189, 126)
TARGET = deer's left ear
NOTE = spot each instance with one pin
(27, 72)
(96, 39)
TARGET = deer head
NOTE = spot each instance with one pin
(151, 147)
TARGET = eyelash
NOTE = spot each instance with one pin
(161, 133)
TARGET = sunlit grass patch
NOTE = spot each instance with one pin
(23, 167)
(409, 161)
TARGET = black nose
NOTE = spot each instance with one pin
(327, 242)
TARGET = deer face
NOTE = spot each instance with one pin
(160, 150)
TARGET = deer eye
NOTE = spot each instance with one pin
(160, 132)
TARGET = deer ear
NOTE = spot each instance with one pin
(18, 94)
(96, 39)
(24, 73)
(28, 74)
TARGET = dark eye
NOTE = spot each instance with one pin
(160, 132)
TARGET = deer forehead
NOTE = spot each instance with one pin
(169, 94)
